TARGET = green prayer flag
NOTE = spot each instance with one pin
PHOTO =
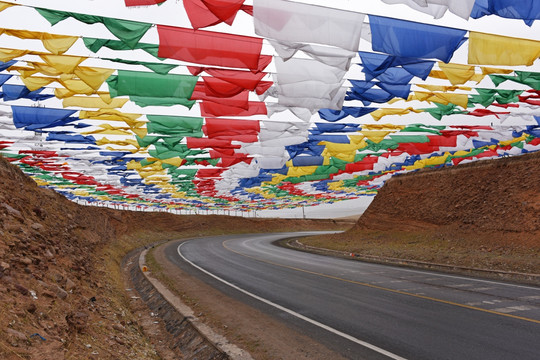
(441, 110)
(175, 125)
(158, 68)
(128, 31)
(146, 88)
(95, 44)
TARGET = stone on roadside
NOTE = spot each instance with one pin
(26, 261)
(15, 334)
(61, 293)
(77, 321)
(11, 211)
(118, 327)
(37, 226)
(69, 284)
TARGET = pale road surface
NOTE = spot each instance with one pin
(370, 311)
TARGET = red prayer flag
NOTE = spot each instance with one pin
(212, 109)
(143, 2)
(203, 13)
(239, 100)
(245, 79)
(206, 173)
(211, 48)
(486, 112)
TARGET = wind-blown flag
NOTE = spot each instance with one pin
(211, 48)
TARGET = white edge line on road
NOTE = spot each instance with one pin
(300, 316)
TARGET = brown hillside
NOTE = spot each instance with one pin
(484, 214)
(60, 276)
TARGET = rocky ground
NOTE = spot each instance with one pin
(63, 293)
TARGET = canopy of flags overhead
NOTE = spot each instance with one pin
(321, 105)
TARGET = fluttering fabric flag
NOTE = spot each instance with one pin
(441, 98)
(489, 49)
(291, 22)
(95, 44)
(213, 109)
(7, 55)
(376, 65)
(56, 44)
(14, 92)
(211, 48)
(526, 10)
(411, 39)
(32, 118)
(93, 102)
(158, 68)
(335, 115)
(143, 2)
(149, 88)
(437, 8)
(4, 78)
(203, 13)
(307, 83)
(531, 79)
(175, 125)
(457, 73)
(7, 65)
(4, 5)
(246, 79)
(232, 129)
(129, 32)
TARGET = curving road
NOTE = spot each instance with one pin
(370, 311)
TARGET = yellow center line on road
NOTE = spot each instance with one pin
(383, 288)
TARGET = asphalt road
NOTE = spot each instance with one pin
(370, 311)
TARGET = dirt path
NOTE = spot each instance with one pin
(261, 335)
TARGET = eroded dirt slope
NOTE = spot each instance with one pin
(484, 214)
(61, 289)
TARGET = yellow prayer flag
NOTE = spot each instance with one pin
(93, 102)
(92, 76)
(76, 86)
(10, 54)
(391, 127)
(57, 44)
(5, 5)
(380, 113)
(109, 130)
(491, 70)
(457, 73)
(375, 136)
(36, 82)
(63, 63)
(444, 88)
(491, 49)
(296, 171)
(45, 69)
(140, 131)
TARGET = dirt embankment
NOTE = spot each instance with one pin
(62, 294)
(484, 214)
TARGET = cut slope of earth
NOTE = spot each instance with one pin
(484, 215)
(62, 294)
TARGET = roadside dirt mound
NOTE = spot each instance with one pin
(61, 290)
(483, 214)
(499, 195)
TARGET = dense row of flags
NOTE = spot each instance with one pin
(315, 119)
